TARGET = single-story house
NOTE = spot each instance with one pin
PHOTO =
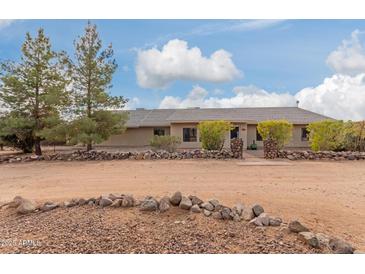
(143, 124)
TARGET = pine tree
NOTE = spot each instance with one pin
(34, 89)
(93, 69)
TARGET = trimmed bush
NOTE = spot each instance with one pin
(166, 142)
(212, 134)
(277, 130)
(326, 135)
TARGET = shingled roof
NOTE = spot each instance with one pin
(164, 117)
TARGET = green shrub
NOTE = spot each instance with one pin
(337, 135)
(166, 142)
(277, 130)
(326, 135)
(212, 134)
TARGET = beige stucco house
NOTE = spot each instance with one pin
(143, 124)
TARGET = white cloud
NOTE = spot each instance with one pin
(5, 23)
(245, 96)
(340, 97)
(349, 57)
(132, 103)
(158, 68)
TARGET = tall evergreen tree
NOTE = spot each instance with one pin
(34, 89)
(93, 69)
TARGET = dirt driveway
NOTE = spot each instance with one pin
(327, 196)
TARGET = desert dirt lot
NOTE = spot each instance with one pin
(328, 197)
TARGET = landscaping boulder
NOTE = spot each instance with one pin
(215, 203)
(257, 210)
(185, 203)
(340, 247)
(296, 226)
(309, 238)
(127, 201)
(176, 198)
(226, 213)
(195, 200)
(207, 206)
(70, 203)
(149, 204)
(262, 220)
(217, 215)
(247, 213)
(81, 202)
(275, 221)
(48, 206)
(196, 209)
(164, 204)
(104, 202)
(26, 207)
(116, 203)
(323, 239)
(15, 202)
(207, 213)
(238, 208)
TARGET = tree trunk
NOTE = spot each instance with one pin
(89, 147)
(1, 147)
(37, 146)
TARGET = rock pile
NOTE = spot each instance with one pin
(237, 147)
(251, 215)
(270, 149)
(321, 155)
(94, 155)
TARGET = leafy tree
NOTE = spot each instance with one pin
(93, 69)
(326, 135)
(34, 89)
(167, 142)
(212, 134)
(277, 130)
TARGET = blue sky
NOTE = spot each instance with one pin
(271, 58)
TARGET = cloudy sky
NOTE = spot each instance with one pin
(224, 63)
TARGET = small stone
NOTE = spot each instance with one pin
(149, 204)
(16, 202)
(104, 202)
(217, 215)
(195, 200)
(91, 202)
(114, 196)
(340, 247)
(207, 206)
(296, 226)
(185, 203)
(257, 210)
(309, 238)
(207, 213)
(196, 209)
(176, 198)
(116, 203)
(164, 204)
(247, 213)
(26, 207)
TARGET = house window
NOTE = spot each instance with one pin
(258, 136)
(159, 131)
(235, 133)
(304, 134)
(189, 135)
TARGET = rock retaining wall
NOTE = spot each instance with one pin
(104, 155)
(321, 155)
(237, 147)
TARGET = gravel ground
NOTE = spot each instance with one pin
(89, 229)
